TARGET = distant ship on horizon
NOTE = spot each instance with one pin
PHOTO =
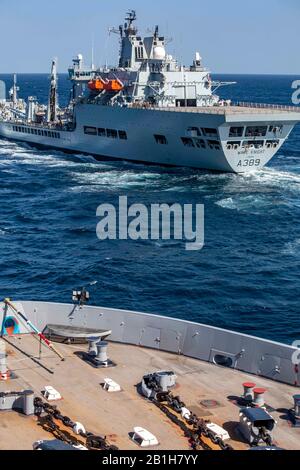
(149, 109)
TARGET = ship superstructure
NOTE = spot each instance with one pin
(152, 109)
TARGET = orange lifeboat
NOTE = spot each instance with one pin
(114, 85)
(97, 85)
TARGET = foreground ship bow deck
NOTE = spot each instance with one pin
(140, 344)
(151, 109)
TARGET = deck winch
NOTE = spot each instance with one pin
(256, 426)
(157, 382)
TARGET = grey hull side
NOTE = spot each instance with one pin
(142, 125)
(246, 353)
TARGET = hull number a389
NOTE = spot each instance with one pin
(248, 163)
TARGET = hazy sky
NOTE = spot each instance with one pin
(233, 36)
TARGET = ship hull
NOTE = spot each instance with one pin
(158, 137)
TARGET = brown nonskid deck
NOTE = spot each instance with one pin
(116, 414)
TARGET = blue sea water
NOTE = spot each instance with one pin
(247, 276)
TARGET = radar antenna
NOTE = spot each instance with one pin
(130, 30)
(130, 17)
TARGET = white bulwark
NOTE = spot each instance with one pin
(150, 108)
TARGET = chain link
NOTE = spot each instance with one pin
(46, 415)
(194, 428)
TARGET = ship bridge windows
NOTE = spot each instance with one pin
(236, 132)
(139, 53)
(209, 132)
(90, 130)
(160, 139)
(256, 131)
(253, 144)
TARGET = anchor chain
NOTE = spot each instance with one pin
(46, 415)
(194, 428)
(263, 436)
(198, 426)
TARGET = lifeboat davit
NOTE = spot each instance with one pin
(99, 84)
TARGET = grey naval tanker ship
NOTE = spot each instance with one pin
(151, 109)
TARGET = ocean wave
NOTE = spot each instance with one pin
(253, 204)
(90, 181)
(292, 248)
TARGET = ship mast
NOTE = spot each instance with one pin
(15, 91)
(129, 29)
(52, 103)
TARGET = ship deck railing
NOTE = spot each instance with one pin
(233, 108)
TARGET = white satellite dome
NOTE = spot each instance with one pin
(159, 53)
(79, 56)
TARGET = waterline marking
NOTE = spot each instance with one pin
(160, 222)
(296, 94)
